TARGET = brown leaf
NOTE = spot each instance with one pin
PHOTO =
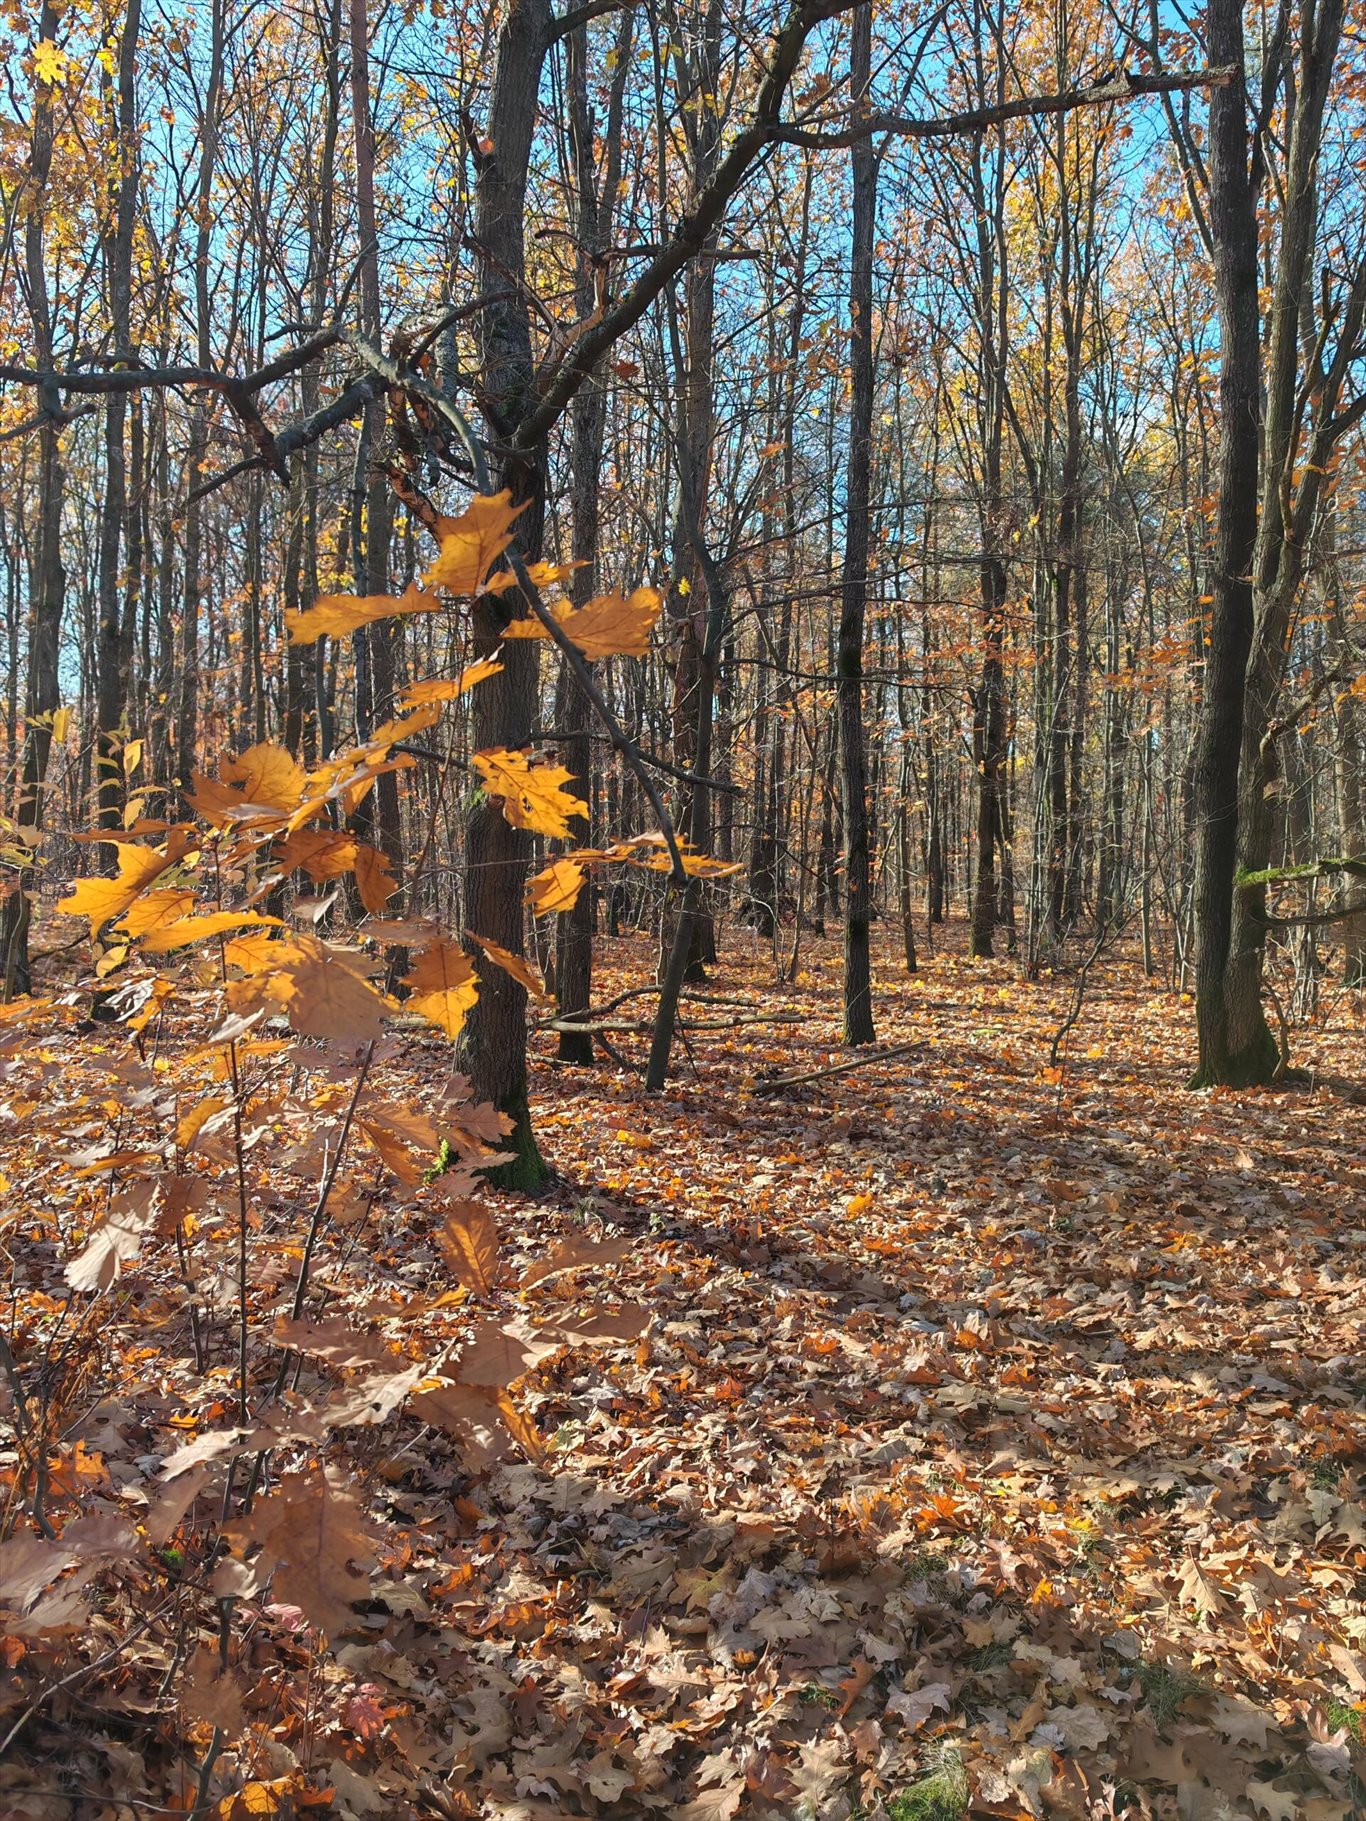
(469, 1243)
(310, 1529)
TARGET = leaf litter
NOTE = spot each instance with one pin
(953, 1435)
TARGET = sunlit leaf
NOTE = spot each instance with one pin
(531, 793)
(472, 543)
(556, 887)
(520, 970)
(443, 986)
(100, 899)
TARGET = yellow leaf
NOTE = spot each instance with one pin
(154, 910)
(132, 756)
(261, 783)
(194, 929)
(111, 960)
(471, 544)
(447, 689)
(520, 970)
(335, 615)
(101, 899)
(531, 794)
(374, 880)
(858, 1204)
(61, 725)
(611, 625)
(50, 65)
(556, 887)
(444, 986)
(544, 575)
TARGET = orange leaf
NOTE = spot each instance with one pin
(520, 970)
(532, 794)
(446, 689)
(469, 1243)
(556, 887)
(608, 626)
(194, 929)
(444, 986)
(471, 544)
(101, 899)
(374, 880)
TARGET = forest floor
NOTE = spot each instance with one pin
(992, 1443)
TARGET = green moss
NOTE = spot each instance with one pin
(942, 1796)
(1166, 1690)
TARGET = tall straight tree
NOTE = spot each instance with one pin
(857, 883)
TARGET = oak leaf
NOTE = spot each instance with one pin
(443, 986)
(101, 899)
(336, 615)
(472, 543)
(374, 877)
(532, 794)
(469, 1243)
(556, 887)
(448, 689)
(520, 970)
(310, 1530)
(611, 625)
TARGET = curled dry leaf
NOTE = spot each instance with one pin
(520, 969)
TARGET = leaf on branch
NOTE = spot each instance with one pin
(611, 625)
(310, 1530)
(336, 615)
(520, 970)
(320, 852)
(115, 1242)
(543, 574)
(444, 986)
(556, 887)
(472, 543)
(532, 795)
(156, 910)
(321, 990)
(374, 877)
(469, 1244)
(194, 929)
(447, 689)
(100, 899)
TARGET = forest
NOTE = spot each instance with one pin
(683, 910)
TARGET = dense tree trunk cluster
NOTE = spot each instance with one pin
(992, 431)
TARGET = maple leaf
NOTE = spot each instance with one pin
(469, 1241)
(556, 887)
(520, 970)
(443, 986)
(472, 543)
(310, 1530)
(336, 615)
(531, 793)
(101, 899)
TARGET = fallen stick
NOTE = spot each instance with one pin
(838, 1068)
